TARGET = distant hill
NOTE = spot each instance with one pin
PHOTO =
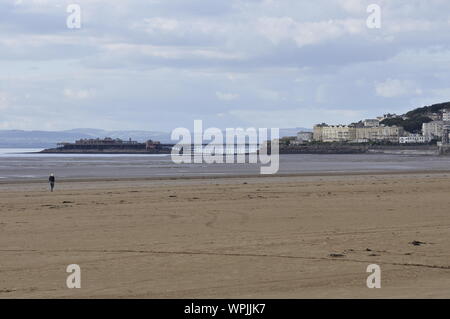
(412, 121)
(48, 139)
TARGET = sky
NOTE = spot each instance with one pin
(160, 64)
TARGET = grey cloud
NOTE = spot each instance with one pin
(158, 64)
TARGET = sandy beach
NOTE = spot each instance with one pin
(244, 237)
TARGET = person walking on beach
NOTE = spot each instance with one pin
(51, 180)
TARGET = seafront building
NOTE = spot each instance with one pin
(413, 139)
(433, 130)
(334, 133)
(317, 132)
(379, 134)
(446, 134)
(370, 130)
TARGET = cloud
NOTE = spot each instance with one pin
(78, 94)
(307, 33)
(269, 95)
(396, 88)
(227, 96)
(168, 62)
(353, 6)
(160, 24)
(3, 101)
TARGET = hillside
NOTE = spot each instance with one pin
(423, 111)
(412, 121)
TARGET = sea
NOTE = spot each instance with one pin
(26, 164)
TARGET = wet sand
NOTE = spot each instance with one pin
(243, 237)
(26, 167)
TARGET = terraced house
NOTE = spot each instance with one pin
(352, 133)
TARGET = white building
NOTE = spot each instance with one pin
(304, 137)
(432, 130)
(334, 133)
(413, 139)
(346, 133)
(446, 115)
(387, 116)
(379, 133)
(371, 123)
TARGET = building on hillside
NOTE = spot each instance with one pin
(388, 116)
(435, 116)
(412, 139)
(446, 115)
(371, 123)
(304, 137)
(432, 130)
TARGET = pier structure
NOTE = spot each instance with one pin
(109, 145)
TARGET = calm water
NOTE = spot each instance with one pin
(21, 164)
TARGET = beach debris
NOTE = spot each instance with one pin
(245, 183)
(172, 195)
(334, 255)
(368, 249)
(67, 202)
(417, 243)
(373, 255)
